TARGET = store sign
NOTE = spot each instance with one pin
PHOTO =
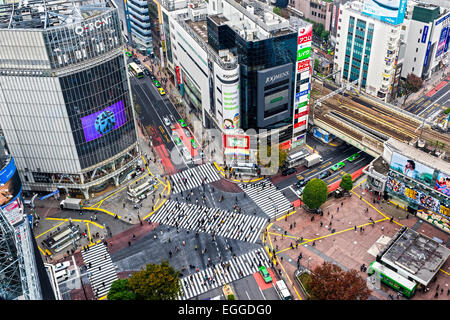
(305, 35)
(303, 53)
(427, 54)
(411, 168)
(424, 34)
(97, 24)
(178, 74)
(277, 77)
(302, 65)
(236, 141)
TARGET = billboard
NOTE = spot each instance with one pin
(230, 98)
(10, 184)
(390, 11)
(443, 183)
(424, 34)
(412, 168)
(305, 34)
(442, 41)
(101, 122)
(236, 141)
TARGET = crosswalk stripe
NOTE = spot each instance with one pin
(194, 177)
(271, 201)
(243, 227)
(98, 256)
(245, 263)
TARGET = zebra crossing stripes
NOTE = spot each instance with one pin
(271, 201)
(244, 227)
(194, 177)
(102, 272)
(219, 274)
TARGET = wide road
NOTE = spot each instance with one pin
(154, 108)
(433, 103)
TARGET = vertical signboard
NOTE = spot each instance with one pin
(302, 86)
(424, 34)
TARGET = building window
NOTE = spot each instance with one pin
(417, 49)
(412, 69)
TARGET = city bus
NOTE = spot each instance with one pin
(295, 159)
(248, 169)
(135, 192)
(137, 71)
(393, 279)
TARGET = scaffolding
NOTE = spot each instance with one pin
(18, 273)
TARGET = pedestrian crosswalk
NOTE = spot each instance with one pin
(101, 270)
(223, 273)
(193, 178)
(245, 227)
(271, 201)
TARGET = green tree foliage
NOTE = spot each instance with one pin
(330, 282)
(156, 282)
(447, 111)
(412, 84)
(315, 193)
(325, 35)
(316, 64)
(277, 11)
(346, 182)
(120, 291)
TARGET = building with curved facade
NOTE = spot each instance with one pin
(65, 106)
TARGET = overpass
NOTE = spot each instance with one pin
(367, 124)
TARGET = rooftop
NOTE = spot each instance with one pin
(40, 14)
(415, 254)
(418, 155)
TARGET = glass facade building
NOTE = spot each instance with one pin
(137, 14)
(65, 106)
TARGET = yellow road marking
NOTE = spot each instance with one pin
(51, 228)
(287, 275)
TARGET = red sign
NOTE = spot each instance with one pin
(178, 74)
(305, 34)
(301, 114)
(296, 125)
(302, 65)
(285, 145)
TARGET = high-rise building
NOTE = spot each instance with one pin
(139, 23)
(65, 106)
(427, 37)
(367, 45)
(254, 62)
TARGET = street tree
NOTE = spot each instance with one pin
(412, 84)
(330, 282)
(120, 291)
(315, 193)
(346, 182)
(156, 282)
(316, 65)
(277, 11)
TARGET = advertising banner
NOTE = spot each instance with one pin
(391, 11)
(236, 141)
(101, 122)
(422, 200)
(443, 183)
(11, 186)
(302, 65)
(230, 98)
(442, 42)
(305, 34)
(412, 168)
(178, 74)
(427, 54)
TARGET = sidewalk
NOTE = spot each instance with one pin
(345, 246)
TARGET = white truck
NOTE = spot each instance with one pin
(312, 159)
(71, 203)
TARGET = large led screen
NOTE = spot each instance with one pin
(10, 184)
(412, 168)
(442, 41)
(101, 122)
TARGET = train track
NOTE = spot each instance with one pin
(384, 120)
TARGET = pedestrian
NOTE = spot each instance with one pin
(129, 243)
(321, 223)
(337, 209)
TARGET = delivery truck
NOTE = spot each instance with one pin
(313, 159)
(71, 203)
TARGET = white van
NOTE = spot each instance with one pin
(61, 266)
(282, 290)
(62, 275)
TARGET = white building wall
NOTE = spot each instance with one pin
(34, 120)
(415, 48)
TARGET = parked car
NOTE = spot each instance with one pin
(136, 60)
(157, 84)
(289, 171)
(147, 72)
(61, 266)
(194, 144)
(182, 123)
(187, 133)
(152, 77)
(161, 91)
(301, 183)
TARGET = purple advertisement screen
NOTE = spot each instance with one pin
(97, 124)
